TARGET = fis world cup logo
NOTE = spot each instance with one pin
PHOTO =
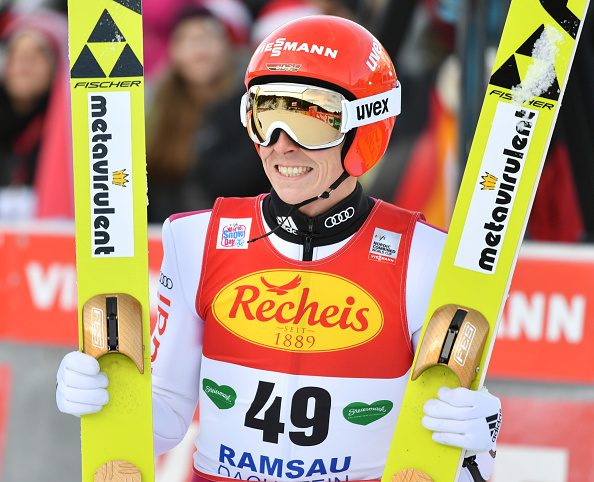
(384, 246)
(233, 233)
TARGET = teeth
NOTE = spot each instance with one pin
(293, 171)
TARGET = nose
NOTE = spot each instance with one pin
(284, 143)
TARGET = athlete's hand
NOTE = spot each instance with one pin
(81, 387)
(464, 418)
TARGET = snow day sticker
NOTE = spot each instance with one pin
(234, 233)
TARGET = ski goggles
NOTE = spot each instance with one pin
(314, 117)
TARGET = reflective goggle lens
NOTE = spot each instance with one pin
(312, 116)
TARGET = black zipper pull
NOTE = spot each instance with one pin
(308, 244)
(308, 248)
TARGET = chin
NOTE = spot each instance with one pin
(291, 197)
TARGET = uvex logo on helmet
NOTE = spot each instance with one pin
(296, 310)
(374, 56)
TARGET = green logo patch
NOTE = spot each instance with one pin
(363, 414)
(222, 396)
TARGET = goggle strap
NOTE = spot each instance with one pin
(371, 109)
(242, 109)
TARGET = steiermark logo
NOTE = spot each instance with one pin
(222, 396)
(364, 414)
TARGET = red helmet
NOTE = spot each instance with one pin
(338, 54)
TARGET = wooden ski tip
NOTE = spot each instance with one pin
(411, 475)
(118, 471)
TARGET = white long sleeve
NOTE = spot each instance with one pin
(176, 342)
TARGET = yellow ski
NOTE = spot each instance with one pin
(107, 87)
(500, 180)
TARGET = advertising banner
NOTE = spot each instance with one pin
(546, 334)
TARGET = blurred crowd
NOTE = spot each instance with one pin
(195, 55)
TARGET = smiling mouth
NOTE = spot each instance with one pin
(292, 171)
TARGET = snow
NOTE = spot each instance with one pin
(541, 74)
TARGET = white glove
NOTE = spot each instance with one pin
(464, 418)
(81, 387)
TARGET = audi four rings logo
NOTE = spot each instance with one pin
(340, 217)
(165, 281)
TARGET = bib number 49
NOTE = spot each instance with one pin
(310, 409)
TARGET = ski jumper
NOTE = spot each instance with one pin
(304, 364)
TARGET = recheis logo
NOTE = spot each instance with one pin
(283, 289)
(234, 233)
(299, 311)
(496, 190)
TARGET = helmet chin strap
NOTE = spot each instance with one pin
(295, 207)
(324, 195)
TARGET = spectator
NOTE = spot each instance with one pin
(186, 168)
(275, 13)
(35, 134)
(160, 16)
